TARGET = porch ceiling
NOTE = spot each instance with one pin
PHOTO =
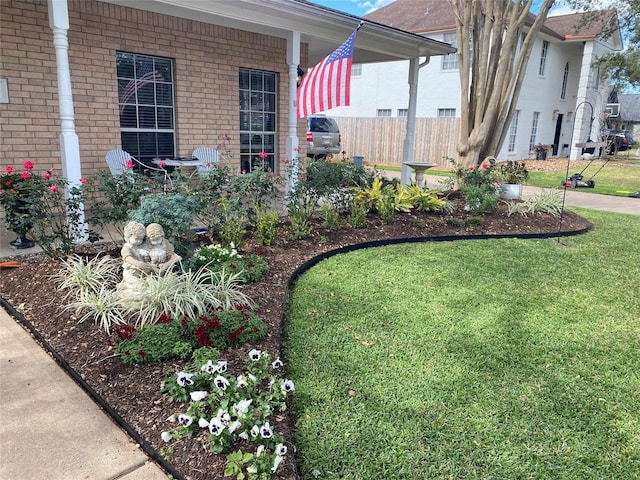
(323, 29)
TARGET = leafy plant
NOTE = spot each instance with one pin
(480, 186)
(512, 172)
(233, 409)
(102, 306)
(358, 211)
(266, 224)
(169, 338)
(215, 258)
(329, 215)
(423, 199)
(175, 212)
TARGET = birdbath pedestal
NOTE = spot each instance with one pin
(420, 168)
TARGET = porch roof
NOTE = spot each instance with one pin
(323, 29)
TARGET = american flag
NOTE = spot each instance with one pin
(328, 84)
(146, 75)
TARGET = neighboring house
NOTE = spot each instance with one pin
(629, 114)
(159, 78)
(553, 107)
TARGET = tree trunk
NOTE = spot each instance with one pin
(489, 32)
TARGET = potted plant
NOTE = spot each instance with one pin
(540, 151)
(512, 175)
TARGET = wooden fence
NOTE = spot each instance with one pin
(379, 139)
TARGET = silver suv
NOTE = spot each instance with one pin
(323, 137)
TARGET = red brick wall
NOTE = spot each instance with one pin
(207, 59)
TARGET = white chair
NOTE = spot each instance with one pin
(208, 156)
(117, 162)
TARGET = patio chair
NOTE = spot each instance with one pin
(208, 156)
(117, 162)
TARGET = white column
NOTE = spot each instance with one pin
(293, 61)
(69, 145)
(582, 121)
(409, 139)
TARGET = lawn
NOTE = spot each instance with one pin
(504, 359)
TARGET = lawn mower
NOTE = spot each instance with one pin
(577, 179)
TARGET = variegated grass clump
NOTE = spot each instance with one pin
(91, 283)
(547, 201)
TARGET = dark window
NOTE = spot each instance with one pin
(258, 114)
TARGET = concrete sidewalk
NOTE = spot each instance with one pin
(50, 428)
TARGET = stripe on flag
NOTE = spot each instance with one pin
(146, 76)
(328, 84)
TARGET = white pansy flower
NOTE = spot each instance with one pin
(281, 449)
(203, 423)
(244, 436)
(287, 386)
(235, 425)
(185, 420)
(260, 450)
(252, 469)
(277, 363)
(198, 395)
(221, 382)
(209, 367)
(166, 436)
(222, 366)
(266, 431)
(255, 355)
(224, 417)
(240, 408)
(184, 379)
(255, 431)
(276, 463)
(215, 426)
(241, 381)
(172, 418)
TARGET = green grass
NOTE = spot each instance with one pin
(617, 177)
(502, 359)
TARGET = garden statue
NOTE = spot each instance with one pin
(145, 252)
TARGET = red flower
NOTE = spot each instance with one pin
(232, 265)
(129, 164)
(47, 176)
(8, 169)
(53, 188)
(28, 165)
(184, 322)
(236, 333)
(256, 329)
(163, 164)
(201, 335)
(164, 318)
(83, 180)
(263, 155)
(259, 251)
(141, 353)
(25, 176)
(125, 332)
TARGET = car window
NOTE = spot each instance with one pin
(325, 125)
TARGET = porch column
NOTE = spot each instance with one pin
(409, 139)
(69, 146)
(582, 117)
(292, 153)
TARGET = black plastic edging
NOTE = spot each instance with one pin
(135, 436)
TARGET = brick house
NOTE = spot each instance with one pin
(159, 78)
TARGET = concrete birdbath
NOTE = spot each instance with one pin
(420, 168)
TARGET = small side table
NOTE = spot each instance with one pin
(420, 168)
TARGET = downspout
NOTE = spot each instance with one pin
(409, 140)
(69, 145)
(293, 61)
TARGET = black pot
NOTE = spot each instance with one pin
(22, 242)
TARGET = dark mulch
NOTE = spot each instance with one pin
(134, 392)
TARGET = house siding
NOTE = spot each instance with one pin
(207, 59)
(378, 87)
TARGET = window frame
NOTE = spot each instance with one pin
(145, 142)
(534, 130)
(446, 113)
(450, 61)
(258, 118)
(565, 82)
(543, 58)
(513, 131)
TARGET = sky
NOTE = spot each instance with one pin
(363, 7)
